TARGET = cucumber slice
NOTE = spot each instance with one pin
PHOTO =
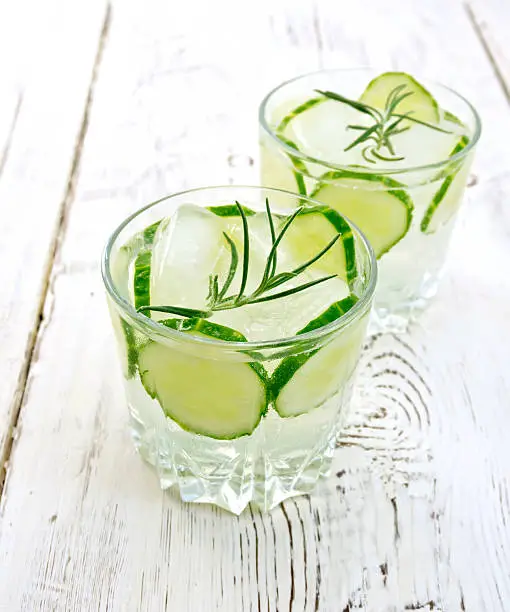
(132, 353)
(213, 398)
(126, 343)
(421, 103)
(204, 328)
(319, 131)
(452, 118)
(307, 235)
(149, 233)
(334, 312)
(142, 279)
(126, 337)
(299, 169)
(380, 206)
(124, 333)
(230, 210)
(142, 268)
(448, 197)
(301, 108)
(279, 319)
(276, 167)
(312, 230)
(304, 381)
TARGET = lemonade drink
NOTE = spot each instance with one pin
(391, 154)
(239, 315)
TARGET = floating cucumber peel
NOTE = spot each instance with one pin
(452, 118)
(301, 108)
(126, 336)
(141, 240)
(141, 282)
(303, 381)
(132, 353)
(421, 103)
(312, 228)
(205, 328)
(299, 167)
(379, 205)
(343, 228)
(142, 271)
(446, 199)
(149, 233)
(230, 210)
(126, 341)
(214, 398)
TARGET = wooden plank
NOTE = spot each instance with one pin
(491, 19)
(432, 561)
(40, 137)
(415, 514)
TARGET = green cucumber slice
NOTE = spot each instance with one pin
(141, 240)
(276, 168)
(123, 332)
(301, 108)
(312, 229)
(447, 198)
(142, 279)
(317, 129)
(334, 312)
(126, 343)
(126, 336)
(132, 353)
(204, 328)
(304, 381)
(149, 233)
(452, 118)
(421, 103)
(213, 398)
(379, 205)
(230, 210)
(142, 268)
(299, 169)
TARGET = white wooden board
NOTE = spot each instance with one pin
(415, 516)
(48, 58)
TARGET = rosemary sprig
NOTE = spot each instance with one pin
(218, 298)
(386, 124)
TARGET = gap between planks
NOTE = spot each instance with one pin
(54, 248)
(7, 147)
(478, 28)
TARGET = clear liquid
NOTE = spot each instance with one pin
(281, 459)
(283, 456)
(409, 272)
(190, 245)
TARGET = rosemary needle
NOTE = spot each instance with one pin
(218, 298)
(386, 124)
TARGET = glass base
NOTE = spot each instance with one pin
(394, 314)
(263, 469)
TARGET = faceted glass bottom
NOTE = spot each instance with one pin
(274, 463)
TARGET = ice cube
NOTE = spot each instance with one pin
(188, 246)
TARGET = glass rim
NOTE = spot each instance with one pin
(155, 328)
(362, 171)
